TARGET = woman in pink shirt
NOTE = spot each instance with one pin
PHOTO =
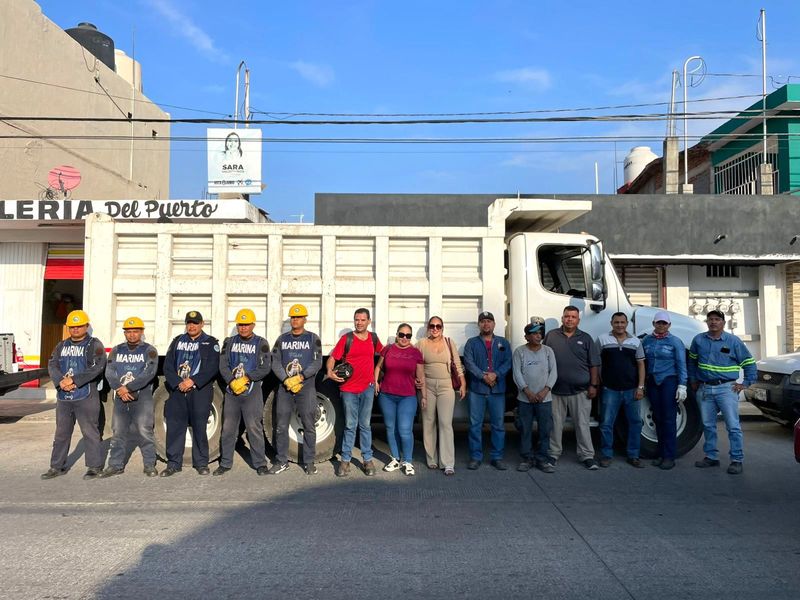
(402, 366)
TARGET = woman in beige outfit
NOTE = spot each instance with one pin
(441, 397)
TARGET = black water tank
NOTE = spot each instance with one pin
(96, 42)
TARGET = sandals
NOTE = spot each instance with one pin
(449, 471)
(432, 466)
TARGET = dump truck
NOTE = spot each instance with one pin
(516, 265)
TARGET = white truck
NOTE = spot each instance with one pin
(515, 266)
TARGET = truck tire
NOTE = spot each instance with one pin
(689, 427)
(213, 429)
(329, 421)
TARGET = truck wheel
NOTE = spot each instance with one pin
(213, 429)
(329, 422)
(689, 427)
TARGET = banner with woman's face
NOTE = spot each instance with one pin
(234, 161)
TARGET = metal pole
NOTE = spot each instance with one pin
(236, 108)
(596, 179)
(246, 98)
(671, 120)
(686, 121)
(764, 80)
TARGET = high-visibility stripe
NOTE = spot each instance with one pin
(747, 361)
(718, 369)
(692, 355)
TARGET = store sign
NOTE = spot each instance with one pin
(75, 210)
(234, 161)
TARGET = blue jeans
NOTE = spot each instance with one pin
(665, 414)
(612, 401)
(398, 416)
(477, 410)
(543, 412)
(722, 398)
(357, 413)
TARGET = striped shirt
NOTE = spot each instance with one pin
(720, 359)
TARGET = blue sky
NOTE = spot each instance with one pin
(435, 57)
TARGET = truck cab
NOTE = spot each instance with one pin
(548, 271)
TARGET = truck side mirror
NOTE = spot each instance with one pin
(597, 272)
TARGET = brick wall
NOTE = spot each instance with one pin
(793, 307)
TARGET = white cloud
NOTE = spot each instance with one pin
(319, 75)
(186, 28)
(529, 77)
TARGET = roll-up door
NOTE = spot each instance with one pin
(64, 262)
(642, 284)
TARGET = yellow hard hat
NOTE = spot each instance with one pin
(77, 318)
(133, 323)
(298, 310)
(245, 317)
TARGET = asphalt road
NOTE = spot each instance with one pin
(614, 533)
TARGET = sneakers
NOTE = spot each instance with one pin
(344, 469)
(111, 471)
(706, 463)
(150, 471)
(278, 468)
(524, 466)
(170, 471)
(667, 464)
(473, 464)
(545, 467)
(636, 463)
(221, 471)
(590, 464)
(499, 464)
(408, 469)
(392, 465)
(369, 468)
(202, 470)
(310, 469)
(735, 468)
(262, 470)
(93, 472)
(605, 462)
(53, 473)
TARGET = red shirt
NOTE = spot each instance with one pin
(400, 370)
(362, 357)
(490, 365)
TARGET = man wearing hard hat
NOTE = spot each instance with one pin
(243, 364)
(130, 372)
(296, 360)
(190, 369)
(76, 368)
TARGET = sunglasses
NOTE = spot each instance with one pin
(435, 326)
(404, 335)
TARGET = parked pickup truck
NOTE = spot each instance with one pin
(776, 392)
(11, 377)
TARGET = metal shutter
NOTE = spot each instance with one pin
(642, 284)
(64, 262)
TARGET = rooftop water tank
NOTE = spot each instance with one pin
(636, 160)
(130, 70)
(96, 42)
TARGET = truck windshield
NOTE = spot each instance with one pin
(561, 269)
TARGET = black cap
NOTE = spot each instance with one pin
(486, 315)
(716, 312)
(193, 316)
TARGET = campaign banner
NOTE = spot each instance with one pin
(234, 161)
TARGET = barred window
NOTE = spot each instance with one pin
(731, 271)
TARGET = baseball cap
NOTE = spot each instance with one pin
(193, 316)
(486, 315)
(662, 315)
(716, 312)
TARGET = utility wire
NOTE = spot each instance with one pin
(127, 99)
(709, 115)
